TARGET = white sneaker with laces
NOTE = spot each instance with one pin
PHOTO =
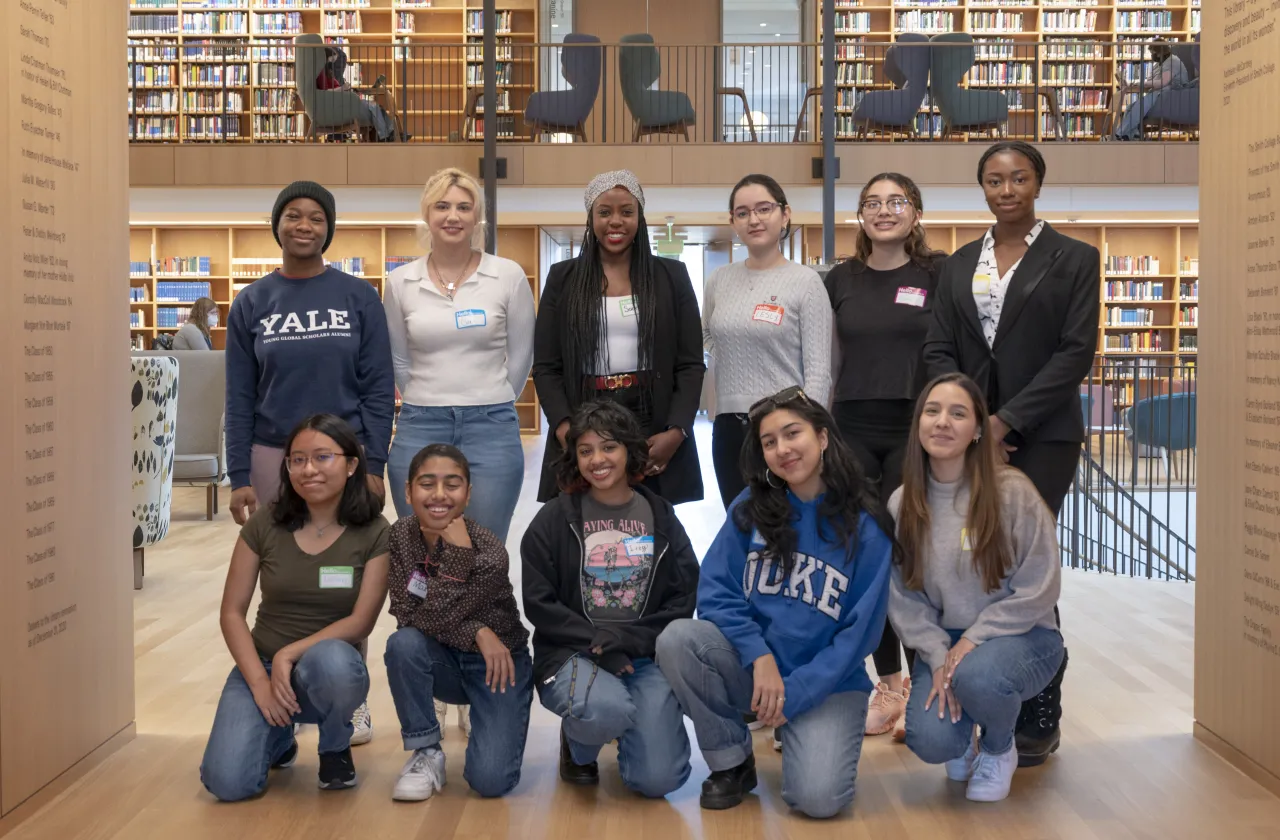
(363, 723)
(992, 776)
(422, 776)
(961, 769)
(464, 720)
(442, 714)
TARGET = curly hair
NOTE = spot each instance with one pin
(611, 422)
(917, 245)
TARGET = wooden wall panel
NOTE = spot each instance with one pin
(66, 626)
(1237, 661)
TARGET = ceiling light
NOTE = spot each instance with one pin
(764, 24)
(777, 34)
(768, 65)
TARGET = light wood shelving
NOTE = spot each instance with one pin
(222, 70)
(239, 254)
(1085, 48)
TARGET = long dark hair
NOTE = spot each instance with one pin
(917, 245)
(611, 422)
(583, 304)
(767, 509)
(983, 471)
(359, 505)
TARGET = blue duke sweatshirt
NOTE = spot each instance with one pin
(301, 347)
(820, 622)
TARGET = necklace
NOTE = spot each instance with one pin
(320, 530)
(448, 288)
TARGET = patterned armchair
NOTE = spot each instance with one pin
(154, 401)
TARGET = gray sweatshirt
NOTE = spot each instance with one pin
(953, 597)
(766, 330)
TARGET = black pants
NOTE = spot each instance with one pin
(1051, 466)
(877, 432)
(728, 433)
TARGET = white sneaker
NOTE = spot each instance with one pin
(961, 769)
(777, 741)
(363, 723)
(423, 775)
(442, 714)
(464, 720)
(992, 776)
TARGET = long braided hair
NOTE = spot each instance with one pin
(584, 303)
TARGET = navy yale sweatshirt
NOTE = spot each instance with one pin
(301, 347)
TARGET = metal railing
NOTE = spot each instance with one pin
(1132, 506)
(1061, 90)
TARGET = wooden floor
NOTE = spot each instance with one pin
(1128, 768)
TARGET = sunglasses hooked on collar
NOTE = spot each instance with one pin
(779, 400)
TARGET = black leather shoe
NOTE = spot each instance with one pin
(1038, 734)
(724, 789)
(576, 774)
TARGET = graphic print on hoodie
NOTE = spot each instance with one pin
(618, 565)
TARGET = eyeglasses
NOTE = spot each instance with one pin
(897, 206)
(322, 460)
(760, 211)
(786, 395)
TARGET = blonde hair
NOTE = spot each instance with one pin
(434, 190)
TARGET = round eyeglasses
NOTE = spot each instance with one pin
(897, 206)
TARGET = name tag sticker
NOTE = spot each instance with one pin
(910, 296)
(467, 318)
(337, 577)
(964, 540)
(981, 284)
(768, 313)
(639, 546)
(627, 306)
(417, 584)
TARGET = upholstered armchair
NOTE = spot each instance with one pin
(154, 400)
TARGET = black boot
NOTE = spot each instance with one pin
(578, 774)
(725, 788)
(1037, 733)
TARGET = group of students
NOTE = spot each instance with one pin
(865, 516)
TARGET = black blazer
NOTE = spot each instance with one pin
(678, 369)
(1045, 342)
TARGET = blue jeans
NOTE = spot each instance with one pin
(637, 709)
(820, 748)
(489, 435)
(330, 681)
(420, 669)
(990, 684)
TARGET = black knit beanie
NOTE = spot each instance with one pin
(304, 189)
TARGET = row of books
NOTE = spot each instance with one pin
(1118, 317)
(475, 22)
(1189, 291)
(1125, 290)
(1189, 316)
(1189, 265)
(138, 294)
(168, 317)
(1144, 264)
(139, 268)
(181, 292)
(1147, 341)
(183, 267)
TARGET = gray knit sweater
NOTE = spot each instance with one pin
(953, 597)
(766, 330)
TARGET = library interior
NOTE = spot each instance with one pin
(391, 139)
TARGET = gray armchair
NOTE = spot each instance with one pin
(567, 110)
(1178, 108)
(951, 57)
(199, 451)
(908, 67)
(654, 111)
(328, 111)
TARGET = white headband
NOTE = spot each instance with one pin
(602, 183)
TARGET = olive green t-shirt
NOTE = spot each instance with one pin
(305, 593)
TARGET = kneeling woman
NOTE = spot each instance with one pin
(460, 639)
(320, 554)
(792, 600)
(607, 566)
(975, 591)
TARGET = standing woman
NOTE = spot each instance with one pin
(1017, 312)
(194, 334)
(620, 324)
(461, 324)
(883, 303)
(766, 323)
(973, 592)
(791, 600)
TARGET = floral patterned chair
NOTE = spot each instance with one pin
(154, 401)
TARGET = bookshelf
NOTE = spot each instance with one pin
(1148, 287)
(1081, 48)
(169, 264)
(222, 70)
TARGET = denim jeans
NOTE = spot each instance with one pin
(820, 748)
(420, 669)
(489, 435)
(637, 709)
(330, 681)
(990, 684)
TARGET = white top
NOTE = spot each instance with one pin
(766, 330)
(621, 352)
(476, 349)
(989, 287)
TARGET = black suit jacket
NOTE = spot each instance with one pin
(1045, 342)
(678, 369)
